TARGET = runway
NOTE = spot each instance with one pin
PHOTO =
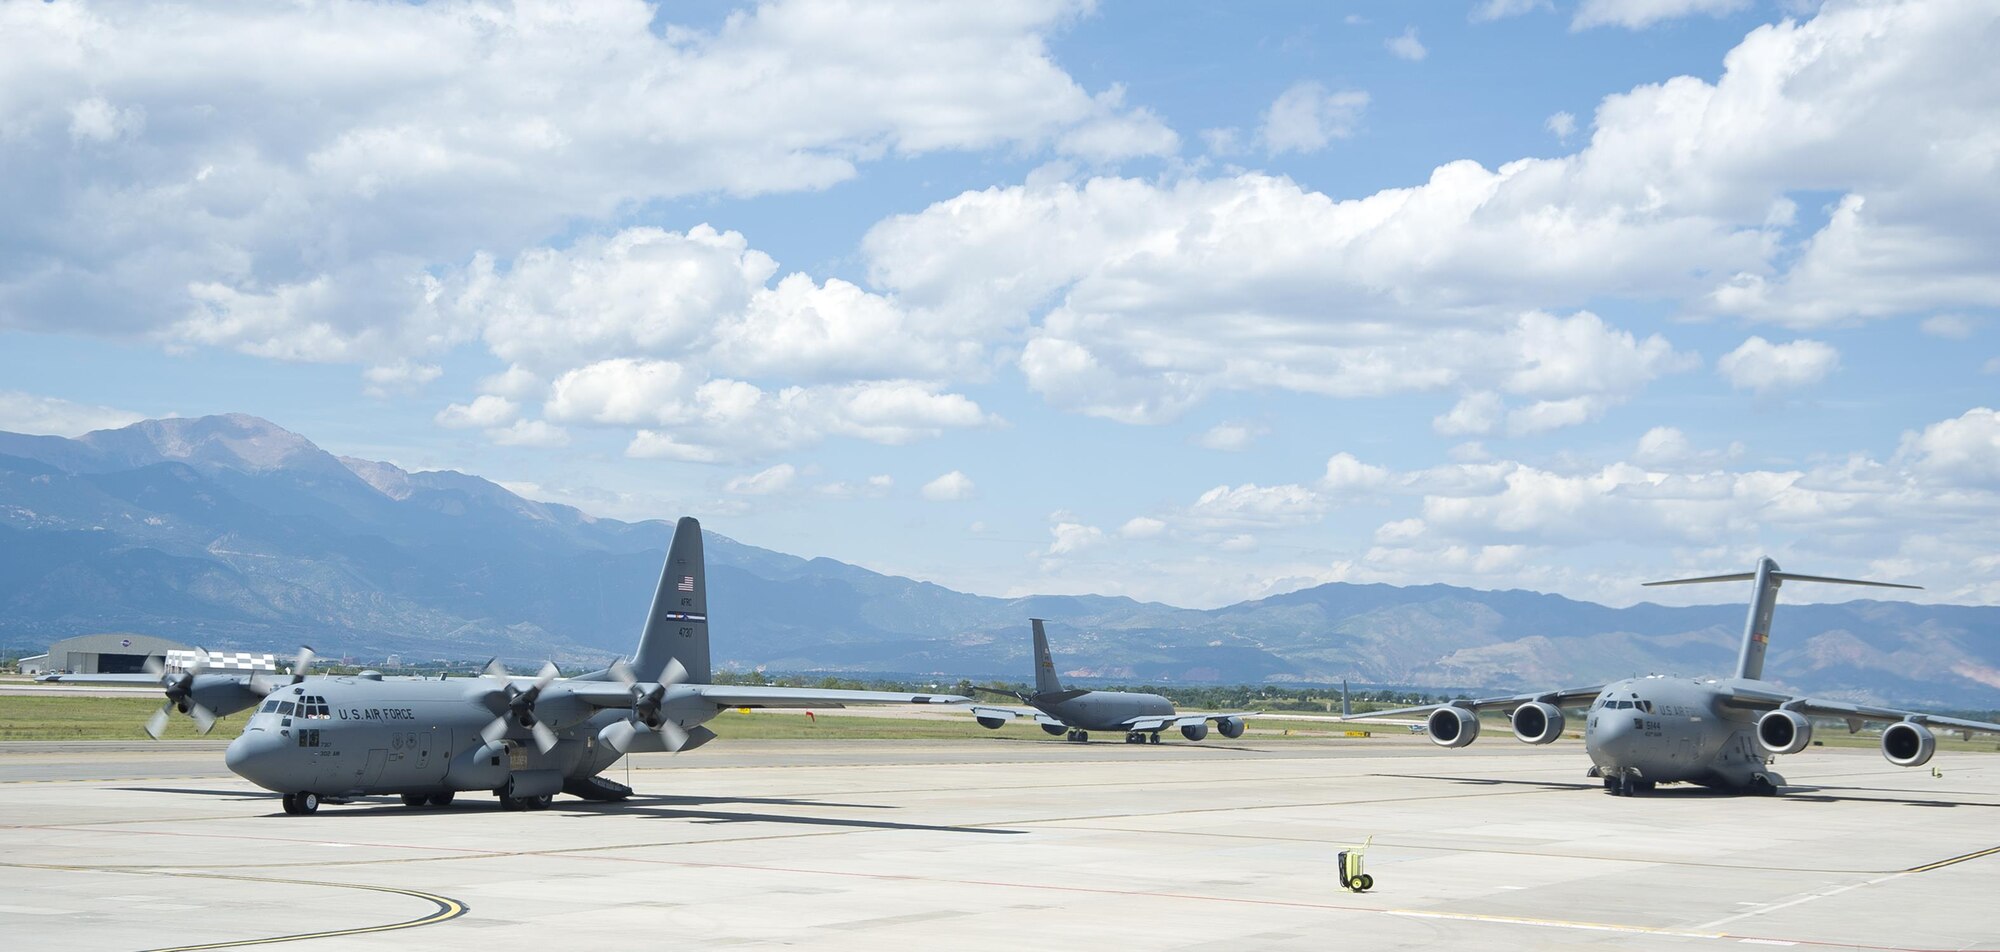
(1003, 841)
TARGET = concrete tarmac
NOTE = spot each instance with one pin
(1008, 841)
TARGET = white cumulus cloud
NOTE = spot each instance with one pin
(53, 416)
(1638, 14)
(1307, 116)
(1407, 46)
(1759, 365)
(950, 487)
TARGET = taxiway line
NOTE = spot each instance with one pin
(447, 907)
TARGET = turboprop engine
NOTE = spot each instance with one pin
(1787, 732)
(1537, 723)
(1231, 727)
(1452, 726)
(1908, 744)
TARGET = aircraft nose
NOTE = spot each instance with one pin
(1610, 741)
(255, 757)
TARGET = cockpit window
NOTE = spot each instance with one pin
(314, 706)
(1646, 706)
(269, 706)
(285, 708)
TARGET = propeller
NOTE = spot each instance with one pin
(646, 702)
(265, 684)
(520, 705)
(179, 689)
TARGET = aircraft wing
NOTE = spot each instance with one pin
(1009, 713)
(614, 694)
(1157, 722)
(1566, 697)
(147, 680)
(750, 695)
(1855, 714)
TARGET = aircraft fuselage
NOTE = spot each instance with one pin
(1673, 730)
(353, 736)
(1107, 710)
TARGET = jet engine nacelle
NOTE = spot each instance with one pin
(1231, 727)
(1537, 723)
(1784, 732)
(1195, 731)
(1452, 726)
(991, 723)
(1908, 744)
(1054, 730)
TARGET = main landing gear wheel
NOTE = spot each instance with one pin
(415, 800)
(1080, 737)
(1134, 737)
(526, 803)
(300, 804)
(441, 800)
(1155, 740)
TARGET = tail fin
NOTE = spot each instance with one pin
(677, 626)
(1757, 629)
(1046, 681)
(1344, 712)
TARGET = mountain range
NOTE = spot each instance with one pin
(232, 532)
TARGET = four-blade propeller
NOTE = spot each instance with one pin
(646, 702)
(520, 705)
(178, 687)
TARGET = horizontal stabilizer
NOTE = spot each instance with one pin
(1781, 576)
(1793, 577)
(1737, 577)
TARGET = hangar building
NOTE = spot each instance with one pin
(117, 653)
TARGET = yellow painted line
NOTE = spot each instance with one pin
(1940, 864)
(447, 907)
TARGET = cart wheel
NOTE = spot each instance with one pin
(1364, 882)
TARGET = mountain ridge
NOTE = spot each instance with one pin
(233, 532)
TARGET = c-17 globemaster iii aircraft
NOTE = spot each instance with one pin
(1718, 733)
(1077, 713)
(330, 738)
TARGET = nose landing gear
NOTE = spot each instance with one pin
(1626, 783)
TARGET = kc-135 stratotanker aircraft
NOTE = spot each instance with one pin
(1075, 714)
(1720, 733)
(330, 738)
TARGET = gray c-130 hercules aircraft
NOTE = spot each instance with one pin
(330, 738)
(1075, 714)
(1720, 733)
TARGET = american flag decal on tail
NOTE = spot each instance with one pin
(687, 583)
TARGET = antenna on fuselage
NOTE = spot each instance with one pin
(1757, 628)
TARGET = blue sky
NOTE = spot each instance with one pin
(1188, 302)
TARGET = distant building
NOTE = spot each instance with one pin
(39, 664)
(119, 653)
